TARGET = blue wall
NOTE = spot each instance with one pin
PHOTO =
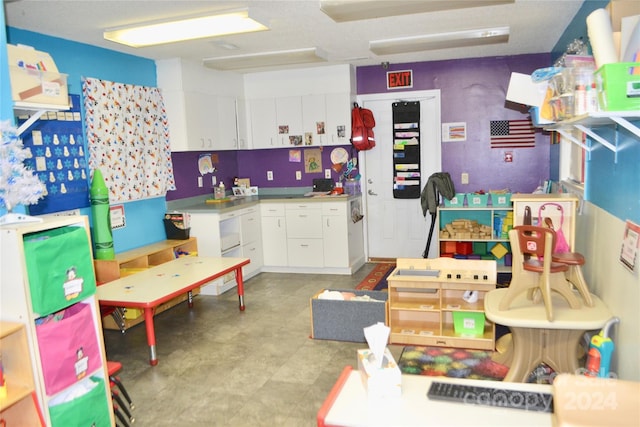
(143, 218)
(612, 184)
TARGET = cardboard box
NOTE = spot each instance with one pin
(619, 9)
(345, 320)
(35, 80)
(382, 382)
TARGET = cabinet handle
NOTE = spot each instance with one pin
(302, 216)
(304, 246)
(327, 222)
(279, 226)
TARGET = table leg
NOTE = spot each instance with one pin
(240, 287)
(151, 335)
(555, 347)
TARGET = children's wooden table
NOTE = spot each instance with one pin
(150, 288)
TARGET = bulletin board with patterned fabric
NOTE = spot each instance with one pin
(406, 150)
(58, 156)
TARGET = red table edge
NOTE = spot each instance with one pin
(333, 395)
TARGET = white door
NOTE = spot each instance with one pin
(396, 228)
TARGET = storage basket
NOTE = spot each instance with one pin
(501, 200)
(456, 201)
(59, 267)
(618, 87)
(468, 323)
(477, 200)
(84, 404)
(69, 348)
(345, 320)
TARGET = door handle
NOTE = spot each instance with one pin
(371, 193)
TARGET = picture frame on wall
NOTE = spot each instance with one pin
(454, 132)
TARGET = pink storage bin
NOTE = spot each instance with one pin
(69, 349)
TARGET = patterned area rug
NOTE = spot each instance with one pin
(451, 362)
(377, 279)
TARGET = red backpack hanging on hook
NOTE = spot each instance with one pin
(362, 124)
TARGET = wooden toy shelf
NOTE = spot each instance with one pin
(138, 259)
(421, 309)
(18, 404)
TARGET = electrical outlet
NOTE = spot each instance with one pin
(269, 175)
(298, 175)
(327, 173)
(464, 178)
(200, 181)
(213, 180)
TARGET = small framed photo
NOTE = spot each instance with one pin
(454, 132)
(237, 191)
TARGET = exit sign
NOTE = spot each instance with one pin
(399, 79)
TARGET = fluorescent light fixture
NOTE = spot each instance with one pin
(354, 10)
(154, 33)
(440, 41)
(267, 59)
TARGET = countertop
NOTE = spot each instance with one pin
(199, 205)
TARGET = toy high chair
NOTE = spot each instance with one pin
(538, 272)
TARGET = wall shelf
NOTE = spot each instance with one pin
(587, 122)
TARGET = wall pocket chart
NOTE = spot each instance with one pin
(406, 150)
(57, 147)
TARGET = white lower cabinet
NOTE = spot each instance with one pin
(335, 231)
(274, 234)
(232, 234)
(251, 240)
(304, 234)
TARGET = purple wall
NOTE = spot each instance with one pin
(472, 91)
(252, 164)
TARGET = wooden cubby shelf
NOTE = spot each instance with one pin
(135, 260)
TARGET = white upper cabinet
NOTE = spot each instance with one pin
(313, 103)
(264, 127)
(201, 106)
(289, 120)
(338, 124)
(314, 118)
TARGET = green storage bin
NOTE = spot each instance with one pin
(501, 200)
(90, 408)
(59, 267)
(618, 88)
(468, 323)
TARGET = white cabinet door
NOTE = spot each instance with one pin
(335, 234)
(274, 234)
(242, 124)
(227, 131)
(305, 253)
(251, 238)
(201, 120)
(206, 228)
(304, 221)
(289, 119)
(264, 128)
(314, 118)
(338, 126)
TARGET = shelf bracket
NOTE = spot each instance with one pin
(31, 120)
(627, 125)
(599, 139)
(570, 137)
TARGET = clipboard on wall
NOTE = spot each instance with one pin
(406, 150)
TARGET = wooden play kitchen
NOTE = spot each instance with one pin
(440, 302)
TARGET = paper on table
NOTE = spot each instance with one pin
(377, 336)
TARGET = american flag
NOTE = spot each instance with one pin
(512, 134)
